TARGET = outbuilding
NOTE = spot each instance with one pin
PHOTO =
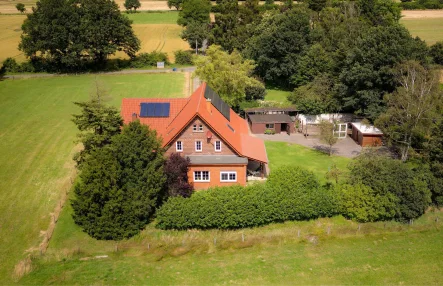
(366, 135)
(277, 119)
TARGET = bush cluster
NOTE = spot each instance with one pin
(149, 59)
(269, 131)
(291, 193)
(421, 4)
(183, 57)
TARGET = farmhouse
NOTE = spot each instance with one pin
(277, 119)
(207, 131)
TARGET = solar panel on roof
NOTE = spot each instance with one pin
(155, 109)
(218, 103)
(143, 110)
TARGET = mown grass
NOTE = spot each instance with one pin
(37, 144)
(377, 253)
(282, 153)
(428, 29)
(277, 95)
(167, 17)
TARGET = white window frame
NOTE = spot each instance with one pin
(201, 176)
(201, 146)
(273, 126)
(176, 146)
(200, 128)
(228, 173)
(194, 128)
(215, 146)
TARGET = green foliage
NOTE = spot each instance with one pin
(68, 33)
(436, 52)
(255, 92)
(20, 7)
(183, 57)
(195, 34)
(421, 5)
(194, 11)
(228, 74)
(10, 65)
(317, 5)
(316, 97)
(120, 185)
(327, 134)
(388, 176)
(290, 194)
(361, 203)
(277, 43)
(177, 4)
(380, 12)
(270, 131)
(314, 62)
(149, 59)
(132, 5)
(98, 123)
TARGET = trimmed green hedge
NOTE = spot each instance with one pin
(290, 194)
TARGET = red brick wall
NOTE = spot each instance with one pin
(215, 175)
(189, 137)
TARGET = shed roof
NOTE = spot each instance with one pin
(367, 130)
(270, 118)
(263, 109)
(217, 159)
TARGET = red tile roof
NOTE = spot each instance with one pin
(184, 110)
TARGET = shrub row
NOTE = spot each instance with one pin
(289, 194)
(183, 57)
(149, 59)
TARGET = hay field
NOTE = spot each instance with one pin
(37, 144)
(156, 31)
(428, 29)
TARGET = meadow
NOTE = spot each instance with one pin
(37, 145)
(428, 29)
(157, 31)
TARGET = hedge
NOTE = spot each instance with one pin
(290, 194)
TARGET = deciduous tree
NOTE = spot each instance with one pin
(132, 5)
(327, 134)
(227, 74)
(176, 170)
(20, 7)
(177, 4)
(194, 11)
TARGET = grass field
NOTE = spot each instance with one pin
(36, 147)
(430, 30)
(156, 31)
(277, 95)
(376, 254)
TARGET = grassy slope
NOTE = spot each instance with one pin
(430, 30)
(277, 95)
(412, 257)
(36, 147)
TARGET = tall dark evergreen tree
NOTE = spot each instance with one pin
(120, 185)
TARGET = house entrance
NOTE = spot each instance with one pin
(285, 127)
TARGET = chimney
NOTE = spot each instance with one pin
(208, 105)
(134, 116)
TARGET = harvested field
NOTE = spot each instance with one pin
(420, 14)
(156, 31)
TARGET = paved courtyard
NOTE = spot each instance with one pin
(344, 147)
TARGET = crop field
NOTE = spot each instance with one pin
(37, 145)
(428, 29)
(156, 31)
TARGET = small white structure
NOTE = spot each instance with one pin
(366, 135)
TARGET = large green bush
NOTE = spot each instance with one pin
(183, 57)
(361, 203)
(290, 194)
(149, 59)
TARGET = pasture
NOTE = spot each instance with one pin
(378, 253)
(428, 29)
(37, 145)
(156, 31)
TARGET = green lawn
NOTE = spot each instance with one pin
(430, 30)
(154, 17)
(277, 95)
(282, 153)
(396, 254)
(37, 144)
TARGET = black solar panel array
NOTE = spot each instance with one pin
(218, 103)
(154, 109)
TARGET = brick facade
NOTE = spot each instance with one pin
(188, 137)
(215, 171)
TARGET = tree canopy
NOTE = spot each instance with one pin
(120, 185)
(228, 74)
(67, 32)
(132, 5)
(194, 11)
